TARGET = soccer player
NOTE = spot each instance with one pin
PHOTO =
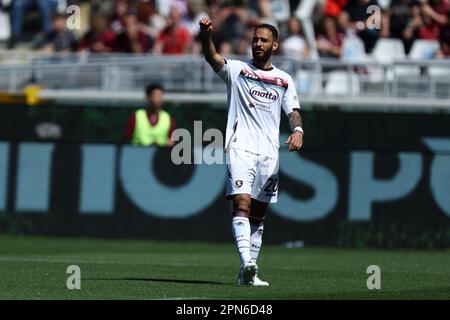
(257, 91)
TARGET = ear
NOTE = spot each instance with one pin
(275, 46)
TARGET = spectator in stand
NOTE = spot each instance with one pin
(117, 22)
(353, 18)
(233, 24)
(217, 14)
(175, 38)
(444, 42)
(151, 125)
(435, 13)
(245, 48)
(329, 41)
(153, 22)
(294, 45)
(428, 30)
(132, 39)
(18, 8)
(60, 39)
(196, 10)
(402, 21)
(99, 38)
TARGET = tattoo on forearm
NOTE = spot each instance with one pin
(295, 119)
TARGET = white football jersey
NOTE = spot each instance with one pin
(255, 98)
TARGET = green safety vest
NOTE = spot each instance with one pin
(145, 134)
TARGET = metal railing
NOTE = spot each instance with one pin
(328, 80)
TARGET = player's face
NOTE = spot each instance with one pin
(155, 99)
(263, 44)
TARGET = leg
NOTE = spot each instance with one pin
(265, 190)
(241, 225)
(242, 234)
(46, 8)
(254, 230)
(257, 214)
(18, 10)
(238, 189)
(241, 173)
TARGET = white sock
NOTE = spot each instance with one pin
(241, 233)
(257, 229)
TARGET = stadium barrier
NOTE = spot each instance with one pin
(362, 179)
(401, 84)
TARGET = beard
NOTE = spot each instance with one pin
(261, 57)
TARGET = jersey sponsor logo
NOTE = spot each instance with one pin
(238, 183)
(264, 96)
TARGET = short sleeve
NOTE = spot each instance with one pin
(290, 99)
(230, 70)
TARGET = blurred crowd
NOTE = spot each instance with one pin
(171, 26)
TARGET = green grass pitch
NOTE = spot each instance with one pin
(35, 268)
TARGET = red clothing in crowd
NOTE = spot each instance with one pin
(430, 32)
(90, 38)
(175, 41)
(123, 43)
(333, 8)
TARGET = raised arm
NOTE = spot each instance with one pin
(209, 50)
(295, 140)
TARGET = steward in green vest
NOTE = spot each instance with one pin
(151, 125)
(146, 134)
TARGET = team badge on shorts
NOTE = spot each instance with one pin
(238, 183)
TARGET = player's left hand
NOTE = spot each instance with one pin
(295, 141)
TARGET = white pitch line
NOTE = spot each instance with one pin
(52, 260)
(182, 298)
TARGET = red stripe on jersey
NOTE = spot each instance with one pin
(280, 82)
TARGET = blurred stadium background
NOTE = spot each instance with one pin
(374, 85)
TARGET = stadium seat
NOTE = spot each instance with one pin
(353, 50)
(423, 49)
(342, 83)
(308, 82)
(388, 50)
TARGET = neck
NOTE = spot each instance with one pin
(151, 110)
(263, 65)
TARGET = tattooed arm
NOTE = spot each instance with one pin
(295, 140)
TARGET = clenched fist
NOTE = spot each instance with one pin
(206, 26)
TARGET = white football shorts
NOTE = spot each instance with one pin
(253, 174)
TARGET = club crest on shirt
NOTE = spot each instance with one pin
(238, 183)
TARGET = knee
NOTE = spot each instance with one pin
(241, 207)
(258, 210)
